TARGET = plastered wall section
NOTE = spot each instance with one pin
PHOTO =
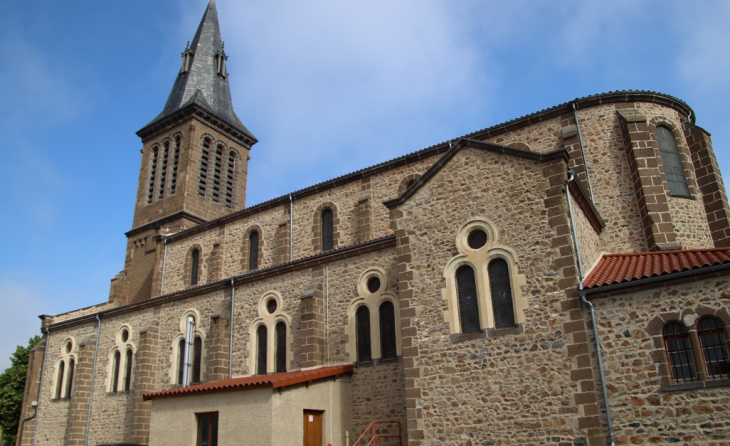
(635, 365)
(513, 388)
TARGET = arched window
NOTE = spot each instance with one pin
(679, 352)
(163, 170)
(362, 322)
(672, 162)
(128, 370)
(217, 167)
(261, 342)
(327, 230)
(115, 371)
(387, 331)
(180, 361)
(280, 347)
(501, 291)
(711, 332)
(468, 305)
(197, 358)
(59, 379)
(175, 161)
(253, 250)
(230, 179)
(194, 266)
(203, 174)
(153, 174)
(70, 377)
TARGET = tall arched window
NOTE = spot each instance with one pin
(327, 230)
(711, 332)
(501, 291)
(387, 331)
(115, 370)
(253, 250)
(59, 379)
(468, 305)
(175, 162)
(181, 361)
(261, 343)
(194, 266)
(230, 179)
(679, 352)
(203, 174)
(163, 170)
(280, 347)
(362, 322)
(217, 167)
(70, 377)
(128, 370)
(197, 358)
(153, 174)
(672, 162)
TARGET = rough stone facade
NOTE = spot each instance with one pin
(548, 194)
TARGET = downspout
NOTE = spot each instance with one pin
(22, 423)
(327, 338)
(93, 378)
(582, 151)
(582, 295)
(230, 340)
(164, 259)
(291, 228)
(40, 386)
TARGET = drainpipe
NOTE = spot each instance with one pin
(291, 228)
(22, 423)
(40, 386)
(581, 293)
(582, 151)
(230, 340)
(93, 378)
(164, 259)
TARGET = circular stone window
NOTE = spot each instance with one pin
(477, 238)
(68, 347)
(125, 335)
(271, 306)
(373, 284)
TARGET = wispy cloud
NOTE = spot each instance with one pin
(24, 305)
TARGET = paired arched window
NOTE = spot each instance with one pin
(327, 230)
(189, 354)
(712, 339)
(672, 162)
(120, 368)
(373, 320)
(270, 350)
(253, 250)
(679, 352)
(65, 372)
(194, 266)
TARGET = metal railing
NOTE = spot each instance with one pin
(373, 427)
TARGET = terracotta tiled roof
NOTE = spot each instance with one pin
(619, 268)
(276, 381)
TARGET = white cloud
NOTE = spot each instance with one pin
(21, 306)
(703, 60)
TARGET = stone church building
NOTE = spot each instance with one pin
(561, 278)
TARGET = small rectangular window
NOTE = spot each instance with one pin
(207, 429)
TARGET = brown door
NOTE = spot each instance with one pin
(312, 428)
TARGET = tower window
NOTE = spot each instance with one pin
(327, 230)
(280, 347)
(387, 331)
(468, 305)
(175, 161)
(362, 322)
(673, 170)
(504, 313)
(679, 352)
(163, 171)
(153, 174)
(217, 174)
(230, 177)
(203, 174)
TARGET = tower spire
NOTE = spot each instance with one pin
(202, 81)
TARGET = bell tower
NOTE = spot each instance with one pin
(194, 161)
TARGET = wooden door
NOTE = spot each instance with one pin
(312, 428)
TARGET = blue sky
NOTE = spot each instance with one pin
(328, 87)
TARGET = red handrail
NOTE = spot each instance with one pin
(374, 425)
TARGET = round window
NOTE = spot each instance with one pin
(68, 347)
(477, 238)
(125, 335)
(373, 284)
(271, 306)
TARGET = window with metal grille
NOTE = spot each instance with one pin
(501, 291)
(362, 322)
(115, 371)
(163, 170)
(261, 344)
(230, 177)
(128, 370)
(672, 162)
(203, 174)
(679, 353)
(253, 250)
(153, 175)
(59, 379)
(175, 162)
(280, 347)
(197, 359)
(194, 264)
(468, 305)
(387, 331)
(217, 166)
(207, 429)
(70, 377)
(181, 361)
(711, 332)
(327, 230)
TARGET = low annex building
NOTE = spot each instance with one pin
(522, 284)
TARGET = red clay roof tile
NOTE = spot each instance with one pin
(620, 268)
(276, 381)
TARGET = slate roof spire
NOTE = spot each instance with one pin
(203, 78)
